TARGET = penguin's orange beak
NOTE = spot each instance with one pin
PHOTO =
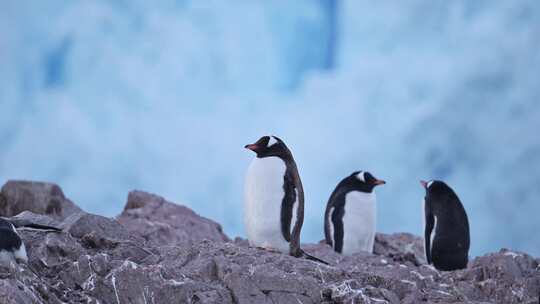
(424, 184)
(252, 147)
(379, 182)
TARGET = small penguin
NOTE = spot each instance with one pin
(274, 198)
(351, 213)
(11, 244)
(446, 234)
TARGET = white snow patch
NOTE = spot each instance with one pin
(519, 293)
(421, 277)
(443, 292)
(77, 265)
(115, 290)
(444, 285)
(175, 282)
(89, 284)
(44, 262)
(512, 254)
(128, 263)
(144, 297)
(322, 276)
(430, 267)
(251, 270)
(409, 282)
(344, 289)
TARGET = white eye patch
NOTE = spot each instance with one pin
(429, 183)
(361, 176)
(272, 141)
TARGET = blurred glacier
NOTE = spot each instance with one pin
(107, 96)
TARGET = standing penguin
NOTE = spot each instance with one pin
(274, 198)
(11, 244)
(446, 234)
(351, 214)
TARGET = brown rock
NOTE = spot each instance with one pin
(400, 247)
(37, 197)
(28, 218)
(100, 260)
(161, 222)
(84, 224)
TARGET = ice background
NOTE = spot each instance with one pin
(103, 97)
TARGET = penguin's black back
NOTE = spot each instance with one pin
(5, 224)
(336, 205)
(9, 239)
(450, 247)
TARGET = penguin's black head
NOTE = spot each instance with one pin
(364, 181)
(269, 146)
(436, 187)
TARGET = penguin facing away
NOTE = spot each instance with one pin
(11, 244)
(274, 198)
(351, 214)
(446, 234)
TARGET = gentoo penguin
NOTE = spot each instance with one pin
(11, 245)
(351, 211)
(446, 234)
(274, 198)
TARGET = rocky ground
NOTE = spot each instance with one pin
(160, 252)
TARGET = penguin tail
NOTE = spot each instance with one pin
(313, 258)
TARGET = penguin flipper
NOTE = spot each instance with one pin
(430, 222)
(293, 204)
(287, 207)
(337, 222)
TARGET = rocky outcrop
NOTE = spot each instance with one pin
(161, 222)
(185, 258)
(40, 198)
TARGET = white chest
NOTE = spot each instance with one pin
(359, 222)
(262, 203)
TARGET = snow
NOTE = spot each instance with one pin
(113, 279)
(105, 97)
(512, 254)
